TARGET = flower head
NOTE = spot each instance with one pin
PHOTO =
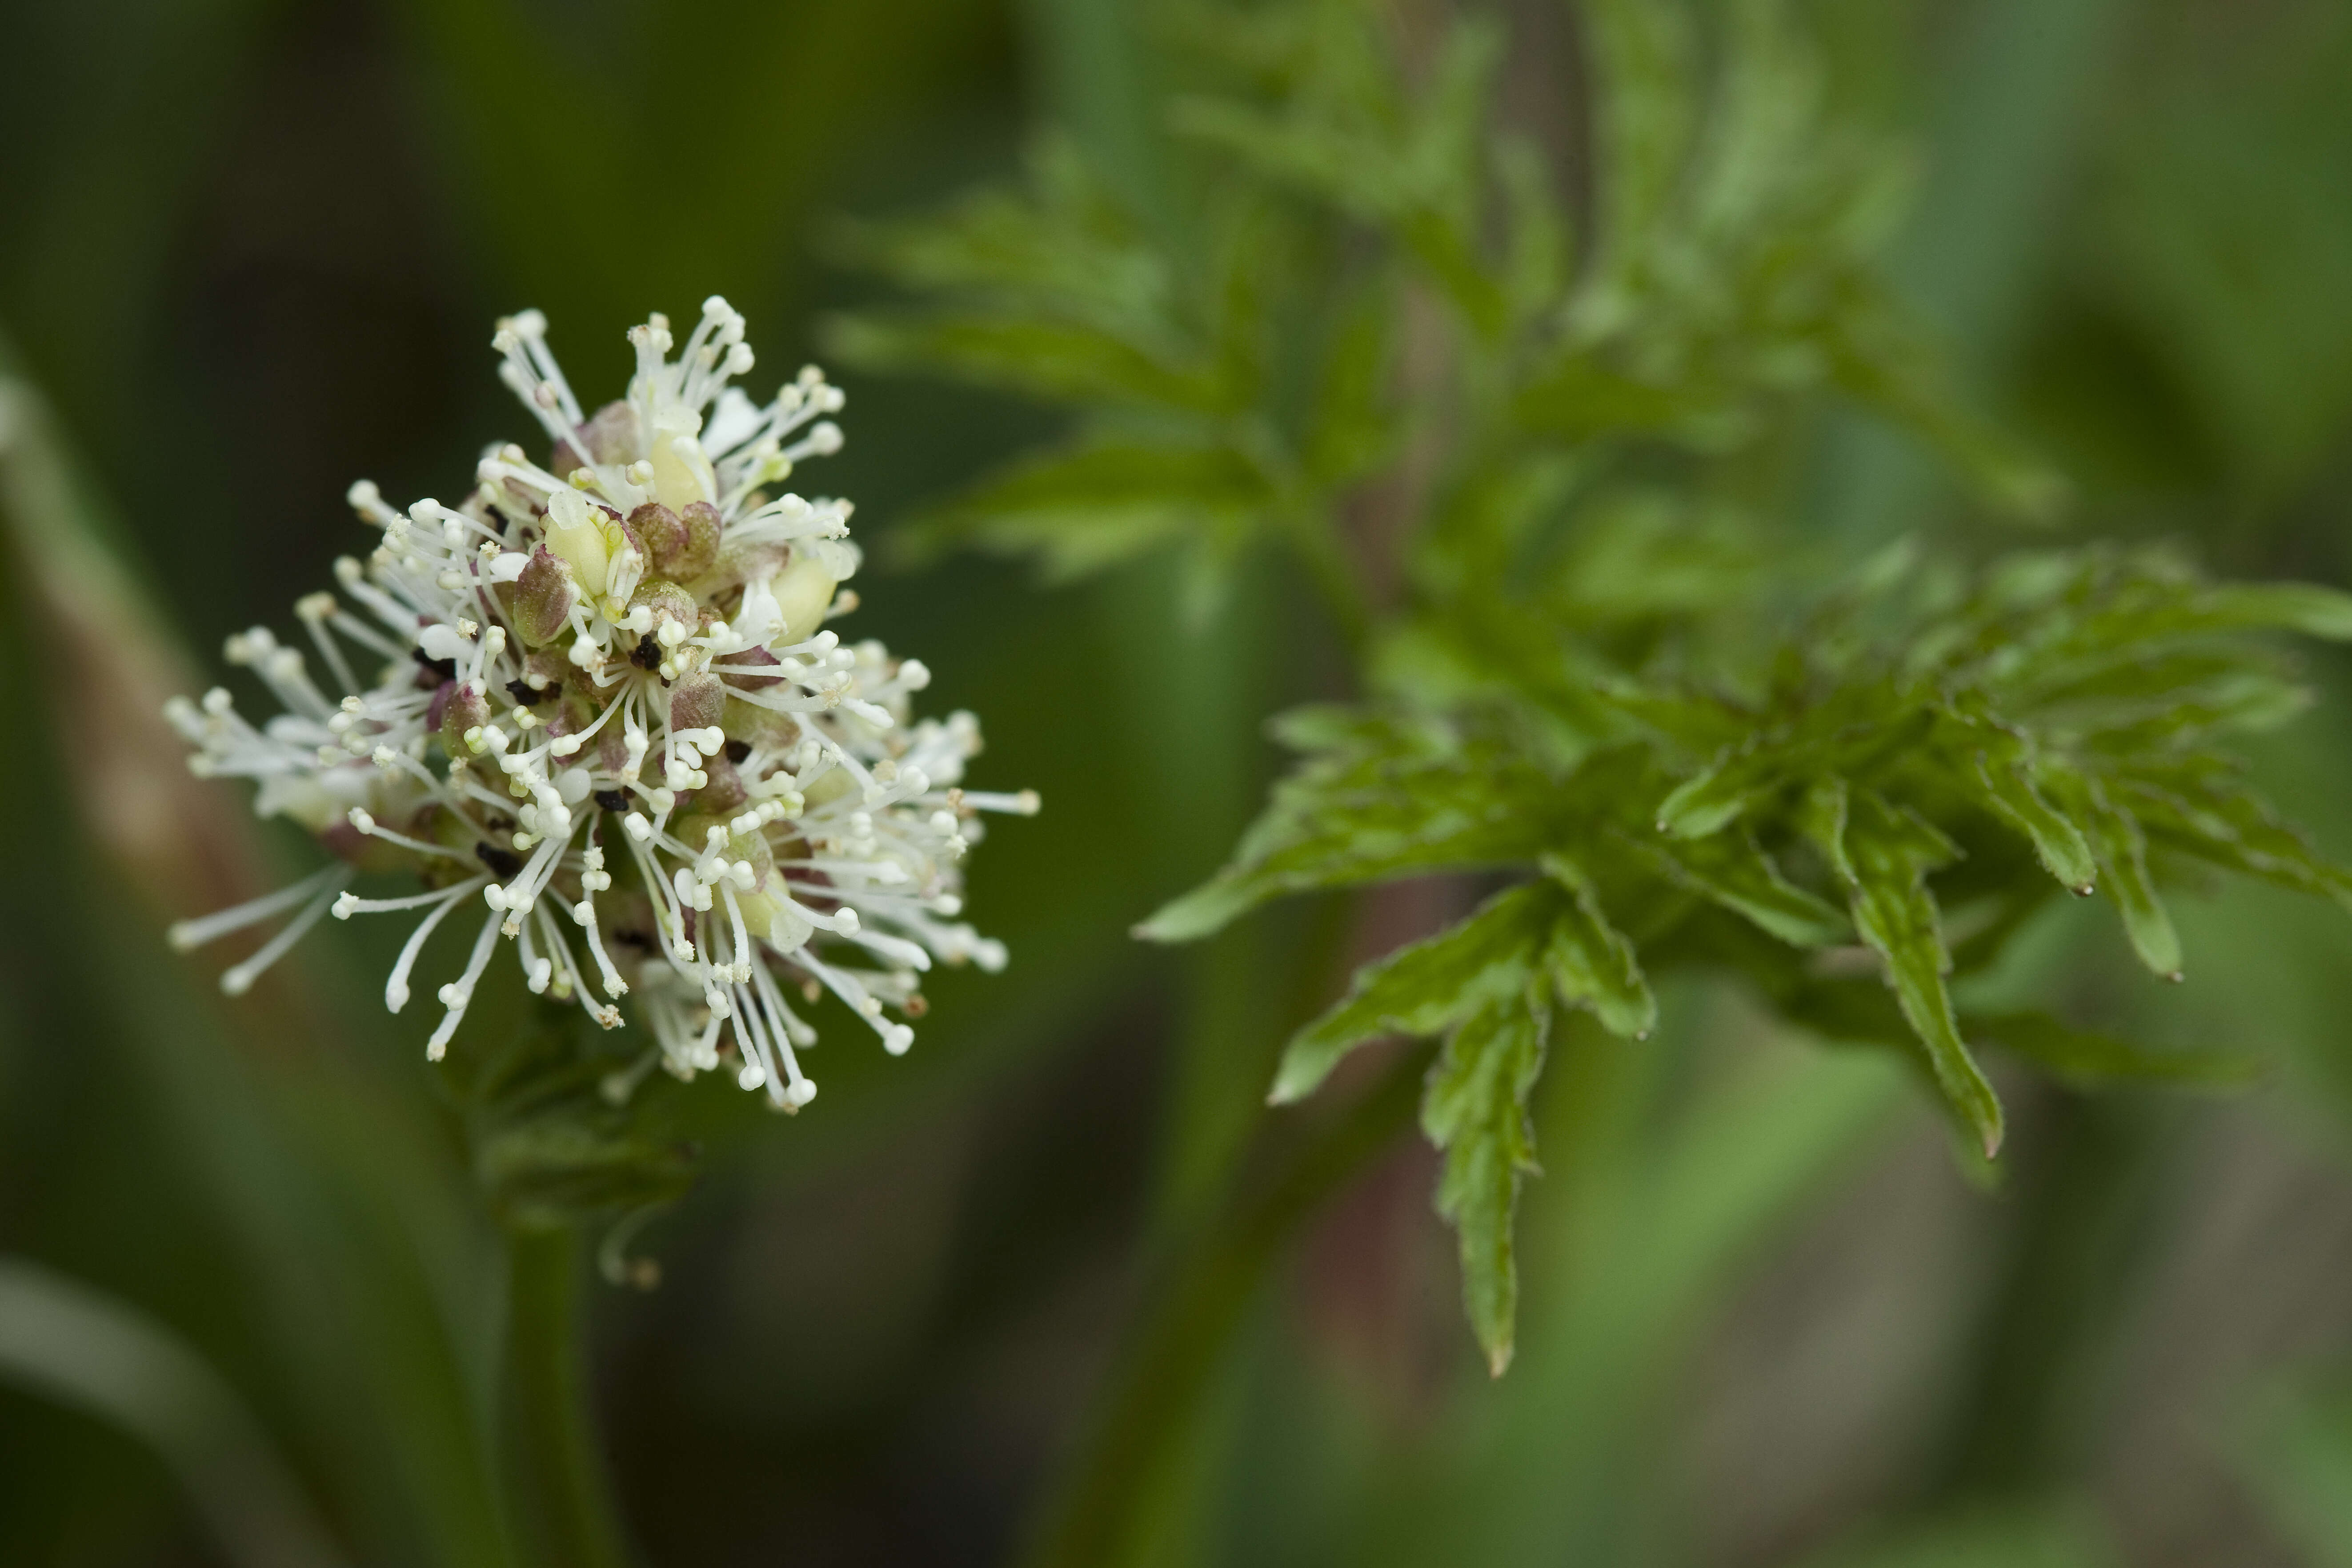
(606, 709)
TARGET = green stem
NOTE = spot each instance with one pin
(561, 1494)
(1206, 1284)
(1324, 555)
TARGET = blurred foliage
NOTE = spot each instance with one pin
(1303, 280)
(1570, 681)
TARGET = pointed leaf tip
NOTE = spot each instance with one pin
(1200, 912)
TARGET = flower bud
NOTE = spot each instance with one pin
(699, 552)
(759, 726)
(693, 827)
(544, 596)
(751, 682)
(725, 793)
(575, 535)
(659, 534)
(548, 668)
(622, 532)
(741, 563)
(613, 437)
(465, 709)
(803, 593)
(698, 702)
(682, 471)
(669, 602)
(613, 752)
(576, 712)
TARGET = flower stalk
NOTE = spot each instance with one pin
(559, 1481)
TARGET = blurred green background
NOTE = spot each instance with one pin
(251, 249)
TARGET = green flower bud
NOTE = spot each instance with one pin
(681, 469)
(759, 726)
(576, 535)
(803, 593)
(694, 828)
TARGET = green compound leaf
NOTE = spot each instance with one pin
(1861, 1012)
(2123, 851)
(1474, 1109)
(1591, 965)
(1731, 870)
(1058, 359)
(1428, 986)
(2090, 1058)
(1353, 428)
(2196, 808)
(2304, 607)
(1882, 855)
(1705, 804)
(1576, 647)
(1099, 501)
(1380, 801)
(2008, 790)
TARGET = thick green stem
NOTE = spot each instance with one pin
(1205, 1285)
(561, 1494)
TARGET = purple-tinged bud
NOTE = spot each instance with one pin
(740, 563)
(700, 552)
(613, 437)
(576, 712)
(548, 668)
(660, 535)
(752, 683)
(698, 702)
(466, 708)
(612, 752)
(680, 546)
(544, 596)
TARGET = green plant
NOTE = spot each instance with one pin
(1541, 478)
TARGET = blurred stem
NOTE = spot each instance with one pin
(562, 1495)
(1999, 155)
(1203, 1287)
(1329, 566)
(2082, 1209)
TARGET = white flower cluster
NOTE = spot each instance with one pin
(604, 703)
